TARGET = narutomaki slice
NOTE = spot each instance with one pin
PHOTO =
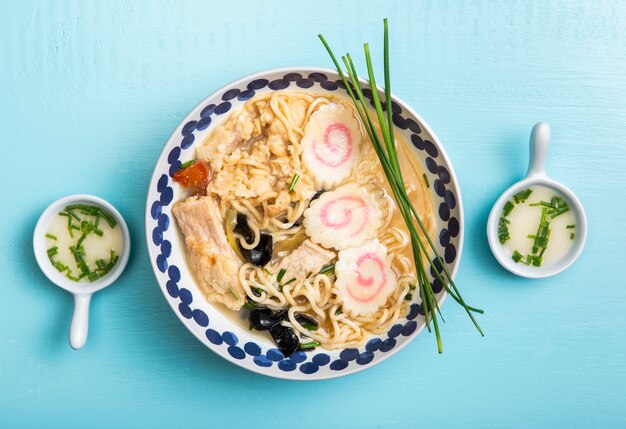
(364, 278)
(331, 145)
(345, 217)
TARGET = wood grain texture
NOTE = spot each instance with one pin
(90, 92)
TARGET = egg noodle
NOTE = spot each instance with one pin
(255, 179)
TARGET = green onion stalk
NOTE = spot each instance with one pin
(384, 144)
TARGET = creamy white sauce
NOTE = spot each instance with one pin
(525, 220)
(96, 247)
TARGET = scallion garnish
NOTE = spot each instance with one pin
(266, 271)
(310, 345)
(250, 305)
(503, 229)
(426, 180)
(233, 293)
(294, 180)
(522, 196)
(52, 251)
(310, 326)
(571, 236)
(289, 281)
(517, 256)
(570, 226)
(385, 147)
(51, 237)
(408, 296)
(327, 269)
(281, 274)
(187, 164)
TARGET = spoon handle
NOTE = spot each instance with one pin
(539, 141)
(80, 321)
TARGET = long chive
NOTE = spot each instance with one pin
(281, 274)
(294, 180)
(384, 145)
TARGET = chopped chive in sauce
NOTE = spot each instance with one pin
(53, 251)
(310, 345)
(503, 230)
(408, 296)
(289, 281)
(51, 237)
(294, 180)
(308, 275)
(338, 311)
(570, 226)
(412, 287)
(522, 196)
(571, 236)
(508, 208)
(281, 274)
(426, 180)
(266, 271)
(517, 256)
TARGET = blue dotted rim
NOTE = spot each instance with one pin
(347, 361)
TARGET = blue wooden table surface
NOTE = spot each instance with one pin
(89, 94)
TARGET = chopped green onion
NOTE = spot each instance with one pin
(503, 230)
(233, 293)
(268, 272)
(412, 287)
(310, 345)
(187, 164)
(250, 305)
(308, 275)
(517, 256)
(51, 237)
(338, 311)
(522, 196)
(507, 209)
(571, 236)
(426, 180)
(310, 326)
(327, 269)
(408, 296)
(280, 275)
(570, 226)
(53, 251)
(289, 281)
(294, 179)
(257, 291)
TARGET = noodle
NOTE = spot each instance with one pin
(253, 179)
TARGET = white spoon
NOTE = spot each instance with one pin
(536, 175)
(84, 290)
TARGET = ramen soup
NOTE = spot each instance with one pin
(290, 221)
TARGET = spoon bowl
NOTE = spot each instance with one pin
(536, 175)
(82, 291)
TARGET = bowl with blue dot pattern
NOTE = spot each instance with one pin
(210, 322)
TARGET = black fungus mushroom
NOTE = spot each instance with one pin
(285, 338)
(264, 318)
(262, 253)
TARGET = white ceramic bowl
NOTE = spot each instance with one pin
(536, 175)
(82, 291)
(207, 321)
